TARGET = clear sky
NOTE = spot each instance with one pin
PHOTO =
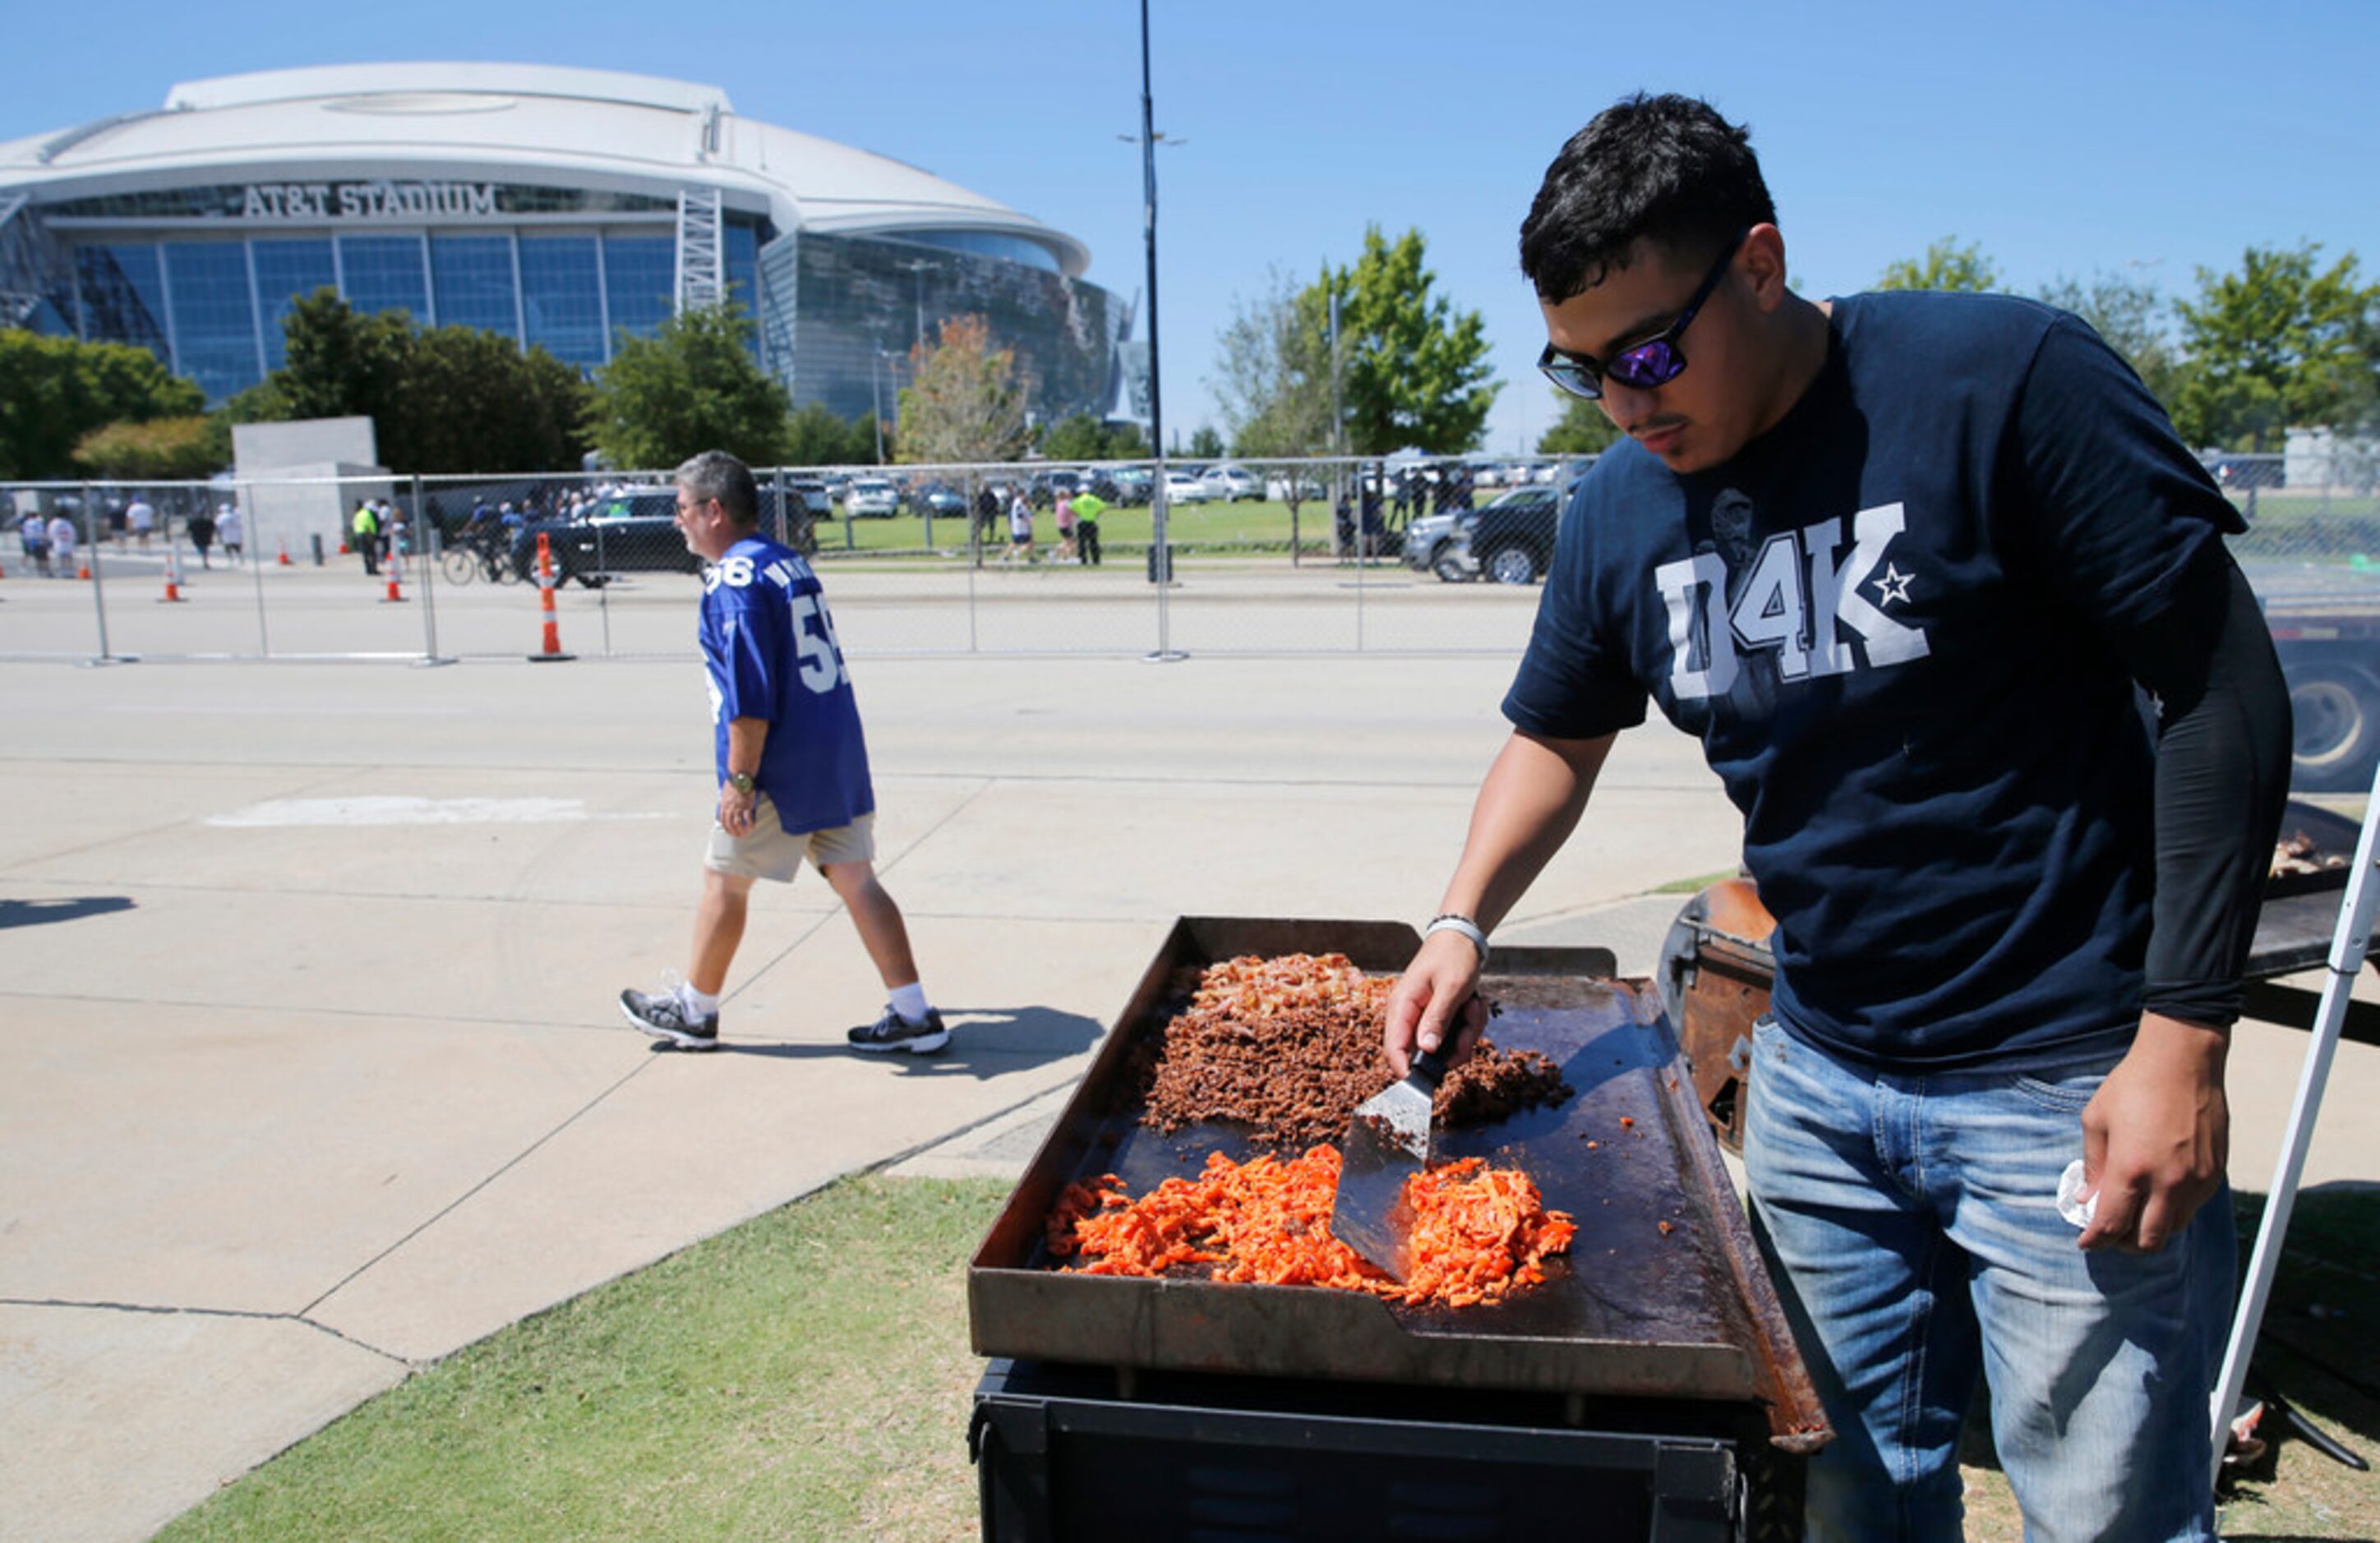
(2065, 139)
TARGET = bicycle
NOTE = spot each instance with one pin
(475, 556)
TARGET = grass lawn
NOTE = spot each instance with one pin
(807, 1375)
(1247, 524)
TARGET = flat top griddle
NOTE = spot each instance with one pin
(1631, 1310)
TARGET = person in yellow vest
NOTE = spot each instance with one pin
(365, 530)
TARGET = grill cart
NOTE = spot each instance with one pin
(1648, 1389)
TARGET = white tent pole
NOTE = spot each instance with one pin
(2347, 946)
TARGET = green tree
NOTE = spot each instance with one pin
(2127, 314)
(1081, 437)
(163, 449)
(1946, 266)
(693, 385)
(2277, 343)
(449, 399)
(1273, 371)
(470, 401)
(1415, 372)
(1582, 428)
(1206, 444)
(815, 436)
(965, 399)
(53, 391)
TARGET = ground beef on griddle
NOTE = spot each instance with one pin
(1288, 1047)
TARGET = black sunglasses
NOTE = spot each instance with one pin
(1654, 362)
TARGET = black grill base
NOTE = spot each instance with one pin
(1063, 1456)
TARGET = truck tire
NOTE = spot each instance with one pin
(1512, 565)
(1449, 568)
(2335, 712)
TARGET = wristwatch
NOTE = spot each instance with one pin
(740, 781)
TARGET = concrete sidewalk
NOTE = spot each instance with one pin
(312, 1071)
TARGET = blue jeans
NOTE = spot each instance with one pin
(1911, 1223)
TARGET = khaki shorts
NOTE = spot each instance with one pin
(767, 852)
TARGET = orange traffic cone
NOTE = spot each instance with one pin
(396, 572)
(284, 553)
(553, 649)
(83, 572)
(173, 578)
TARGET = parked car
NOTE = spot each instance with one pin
(871, 498)
(1430, 547)
(2240, 472)
(1512, 539)
(1182, 488)
(1294, 488)
(1230, 485)
(1042, 490)
(1128, 486)
(939, 499)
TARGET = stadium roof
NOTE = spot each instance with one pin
(535, 123)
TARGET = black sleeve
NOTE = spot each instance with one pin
(2222, 778)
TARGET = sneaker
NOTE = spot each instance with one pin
(894, 1032)
(663, 1015)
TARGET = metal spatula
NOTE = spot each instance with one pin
(1388, 1142)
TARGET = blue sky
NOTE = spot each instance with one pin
(2066, 140)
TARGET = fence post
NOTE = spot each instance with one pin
(98, 588)
(428, 539)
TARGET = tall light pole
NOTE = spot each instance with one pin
(1161, 562)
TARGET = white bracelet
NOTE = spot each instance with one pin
(1455, 922)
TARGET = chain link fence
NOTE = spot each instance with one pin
(1396, 556)
(1272, 557)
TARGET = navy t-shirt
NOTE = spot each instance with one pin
(1890, 620)
(770, 651)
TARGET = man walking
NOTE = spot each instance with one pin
(792, 766)
(365, 527)
(1904, 562)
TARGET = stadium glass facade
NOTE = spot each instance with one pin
(571, 272)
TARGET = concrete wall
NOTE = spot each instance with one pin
(286, 473)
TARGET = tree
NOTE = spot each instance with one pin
(2125, 313)
(1582, 428)
(2277, 343)
(1206, 444)
(815, 436)
(1415, 372)
(965, 400)
(1947, 266)
(1410, 370)
(1273, 379)
(161, 450)
(1084, 438)
(691, 386)
(53, 391)
(449, 399)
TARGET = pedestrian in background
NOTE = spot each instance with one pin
(1065, 527)
(365, 529)
(791, 766)
(33, 535)
(1020, 526)
(231, 530)
(202, 529)
(142, 518)
(62, 544)
(1088, 507)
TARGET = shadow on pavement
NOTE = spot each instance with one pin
(36, 913)
(985, 1042)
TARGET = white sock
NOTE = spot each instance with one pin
(698, 1005)
(910, 1001)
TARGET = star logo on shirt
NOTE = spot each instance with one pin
(1892, 584)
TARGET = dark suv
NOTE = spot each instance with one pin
(1511, 541)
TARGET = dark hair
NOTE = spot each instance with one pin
(716, 474)
(1668, 169)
